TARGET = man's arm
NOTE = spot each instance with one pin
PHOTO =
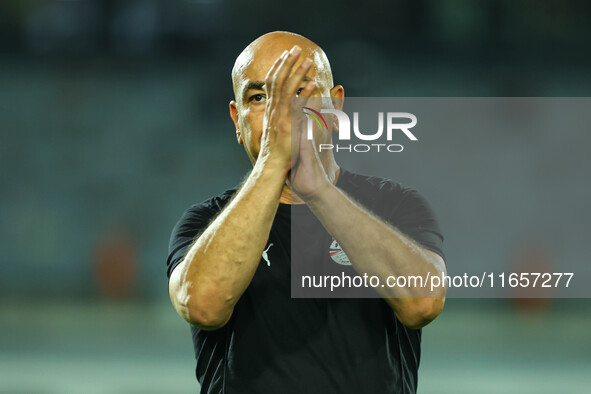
(376, 248)
(219, 266)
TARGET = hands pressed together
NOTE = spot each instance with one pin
(286, 147)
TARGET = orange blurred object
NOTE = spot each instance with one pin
(532, 257)
(115, 266)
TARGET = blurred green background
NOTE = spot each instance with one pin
(114, 119)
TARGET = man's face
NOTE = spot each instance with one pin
(248, 110)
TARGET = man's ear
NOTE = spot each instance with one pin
(234, 116)
(338, 97)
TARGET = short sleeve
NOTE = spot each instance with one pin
(192, 222)
(414, 217)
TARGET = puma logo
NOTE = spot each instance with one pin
(266, 256)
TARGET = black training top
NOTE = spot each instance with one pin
(274, 343)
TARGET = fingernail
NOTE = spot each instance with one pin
(295, 50)
(307, 62)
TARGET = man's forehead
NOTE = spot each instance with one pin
(252, 71)
(255, 63)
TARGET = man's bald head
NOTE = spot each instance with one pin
(258, 57)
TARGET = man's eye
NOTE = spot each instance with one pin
(258, 98)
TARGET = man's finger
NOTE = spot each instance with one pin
(284, 70)
(275, 65)
(302, 99)
(298, 104)
(299, 120)
(273, 70)
(294, 82)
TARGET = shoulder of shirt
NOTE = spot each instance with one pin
(215, 203)
(354, 182)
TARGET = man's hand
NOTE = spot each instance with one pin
(220, 264)
(281, 85)
(307, 177)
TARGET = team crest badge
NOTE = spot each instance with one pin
(337, 254)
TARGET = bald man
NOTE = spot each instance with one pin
(230, 256)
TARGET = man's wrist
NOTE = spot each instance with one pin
(268, 167)
(321, 196)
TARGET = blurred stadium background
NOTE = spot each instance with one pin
(113, 119)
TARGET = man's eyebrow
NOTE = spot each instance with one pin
(254, 85)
